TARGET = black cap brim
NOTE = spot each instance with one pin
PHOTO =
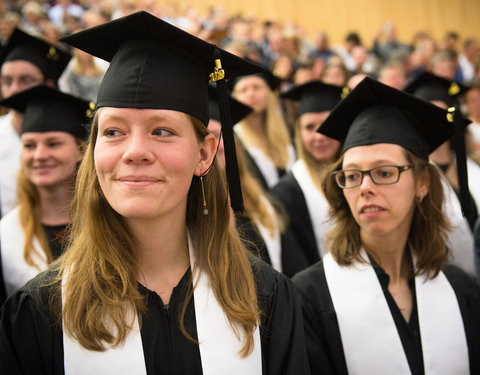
(316, 96)
(46, 109)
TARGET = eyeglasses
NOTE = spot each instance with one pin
(384, 175)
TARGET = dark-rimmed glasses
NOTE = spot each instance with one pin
(383, 175)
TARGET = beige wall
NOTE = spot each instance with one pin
(337, 17)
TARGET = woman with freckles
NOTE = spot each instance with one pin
(34, 233)
(155, 279)
(382, 300)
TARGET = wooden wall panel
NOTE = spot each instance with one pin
(337, 17)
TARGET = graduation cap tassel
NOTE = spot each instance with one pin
(465, 197)
(231, 165)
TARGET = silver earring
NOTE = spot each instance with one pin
(420, 198)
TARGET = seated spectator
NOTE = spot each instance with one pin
(393, 74)
(468, 59)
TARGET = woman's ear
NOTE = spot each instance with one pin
(208, 149)
(423, 182)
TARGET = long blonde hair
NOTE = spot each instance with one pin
(28, 202)
(102, 290)
(256, 200)
(277, 139)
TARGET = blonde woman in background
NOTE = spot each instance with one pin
(263, 134)
(34, 233)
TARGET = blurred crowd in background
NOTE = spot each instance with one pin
(282, 46)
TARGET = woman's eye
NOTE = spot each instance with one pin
(351, 176)
(162, 132)
(111, 132)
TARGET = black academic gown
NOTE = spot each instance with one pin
(289, 193)
(292, 257)
(322, 333)
(3, 293)
(31, 342)
(255, 170)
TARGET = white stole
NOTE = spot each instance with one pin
(273, 241)
(218, 343)
(16, 271)
(263, 162)
(460, 236)
(369, 336)
(317, 205)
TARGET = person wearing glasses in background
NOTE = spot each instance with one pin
(26, 61)
(382, 300)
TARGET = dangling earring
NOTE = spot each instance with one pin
(420, 198)
(205, 210)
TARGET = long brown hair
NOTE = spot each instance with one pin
(102, 290)
(28, 202)
(428, 230)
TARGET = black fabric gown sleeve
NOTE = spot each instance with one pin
(322, 333)
(30, 340)
(476, 249)
(468, 296)
(3, 293)
(293, 258)
(251, 238)
(290, 195)
(283, 344)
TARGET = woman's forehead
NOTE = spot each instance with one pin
(376, 154)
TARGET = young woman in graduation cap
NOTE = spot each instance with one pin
(155, 278)
(33, 234)
(382, 300)
(445, 93)
(26, 61)
(263, 134)
(300, 190)
(262, 226)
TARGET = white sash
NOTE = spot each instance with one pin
(369, 336)
(273, 241)
(316, 203)
(460, 237)
(263, 162)
(219, 346)
(16, 271)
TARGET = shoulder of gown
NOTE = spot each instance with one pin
(30, 336)
(467, 292)
(322, 333)
(281, 330)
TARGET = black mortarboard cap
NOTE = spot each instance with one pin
(46, 109)
(237, 110)
(316, 96)
(50, 59)
(376, 113)
(270, 79)
(158, 66)
(428, 86)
